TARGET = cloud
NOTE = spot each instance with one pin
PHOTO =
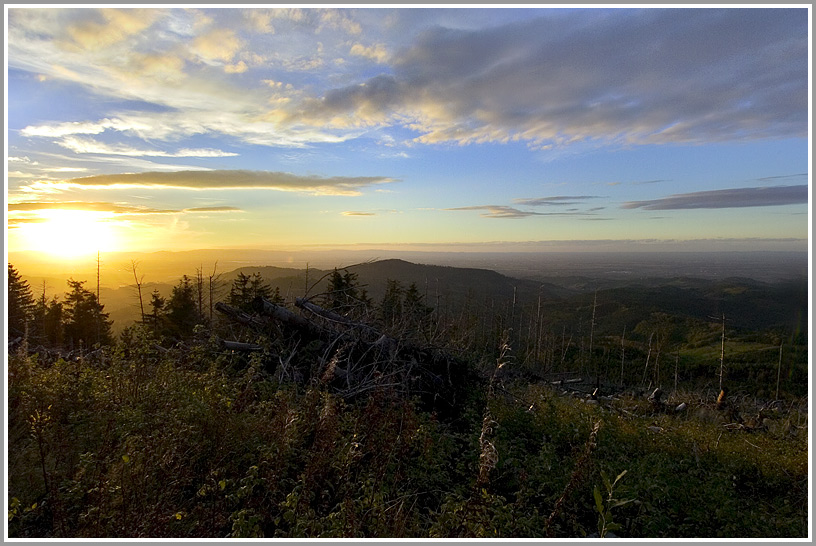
(80, 128)
(226, 180)
(110, 208)
(238, 68)
(626, 76)
(88, 206)
(90, 146)
(168, 126)
(357, 213)
(64, 169)
(782, 177)
(731, 198)
(108, 27)
(260, 20)
(595, 76)
(213, 209)
(502, 211)
(377, 52)
(218, 44)
(557, 200)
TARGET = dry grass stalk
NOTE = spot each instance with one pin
(489, 455)
(577, 473)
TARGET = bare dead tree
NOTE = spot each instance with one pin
(623, 353)
(200, 289)
(778, 371)
(98, 267)
(676, 361)
(133, 267)
(722, 353)
(213, 287)
(591, 335)
(648, 357)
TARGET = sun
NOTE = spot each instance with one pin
(71, 233)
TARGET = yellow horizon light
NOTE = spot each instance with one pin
(70, 233)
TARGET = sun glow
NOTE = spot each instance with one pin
(70, 233)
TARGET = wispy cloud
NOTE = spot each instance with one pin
(502, 211)
(13, 223)
(499, 211)
(227, 180)
(557, 200)
(88, 206)
(782, 177)
(90, 146)
(110, 208)
(213, 209)
(357, 213)
(731, 198)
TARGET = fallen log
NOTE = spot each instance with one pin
(240, 346)
(382, 341)
(240, 316)
(356, 357)
(285, 316)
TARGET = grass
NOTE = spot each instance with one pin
(195, 444)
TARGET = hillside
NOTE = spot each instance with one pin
(749, 305)
(494, 409)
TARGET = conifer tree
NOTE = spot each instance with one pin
(155, 319)
(20, 302)
(85, 319)
(344, 292)
(391, 310)
(48, 320)
(182, 314)
(245, 289)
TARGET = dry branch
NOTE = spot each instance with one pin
(240, 316)
(240, 346)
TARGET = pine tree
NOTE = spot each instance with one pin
(245, 289)
(345, 295)
(20, 303)
(414, 308)
(85, 319)
(182, 310)
(48, 320)
(391, 311)
(156, 318)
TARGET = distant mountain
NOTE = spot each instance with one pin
(620, 301)
(432, 280)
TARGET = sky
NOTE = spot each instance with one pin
(461, 128)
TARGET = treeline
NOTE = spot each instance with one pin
(617, 343)
(79, 320)
(76, 321)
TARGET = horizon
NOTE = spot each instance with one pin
(116, 269)
(444, 130)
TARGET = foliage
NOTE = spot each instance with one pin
(143, 438)
(605, 506)
(245, 289)
(20, 302)
(86, 323)
(345, 295)
(181, 312)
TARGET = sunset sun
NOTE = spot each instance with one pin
(71, 233)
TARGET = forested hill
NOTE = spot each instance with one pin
(748, 304)
(430, 280)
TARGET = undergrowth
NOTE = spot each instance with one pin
(149, 443)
